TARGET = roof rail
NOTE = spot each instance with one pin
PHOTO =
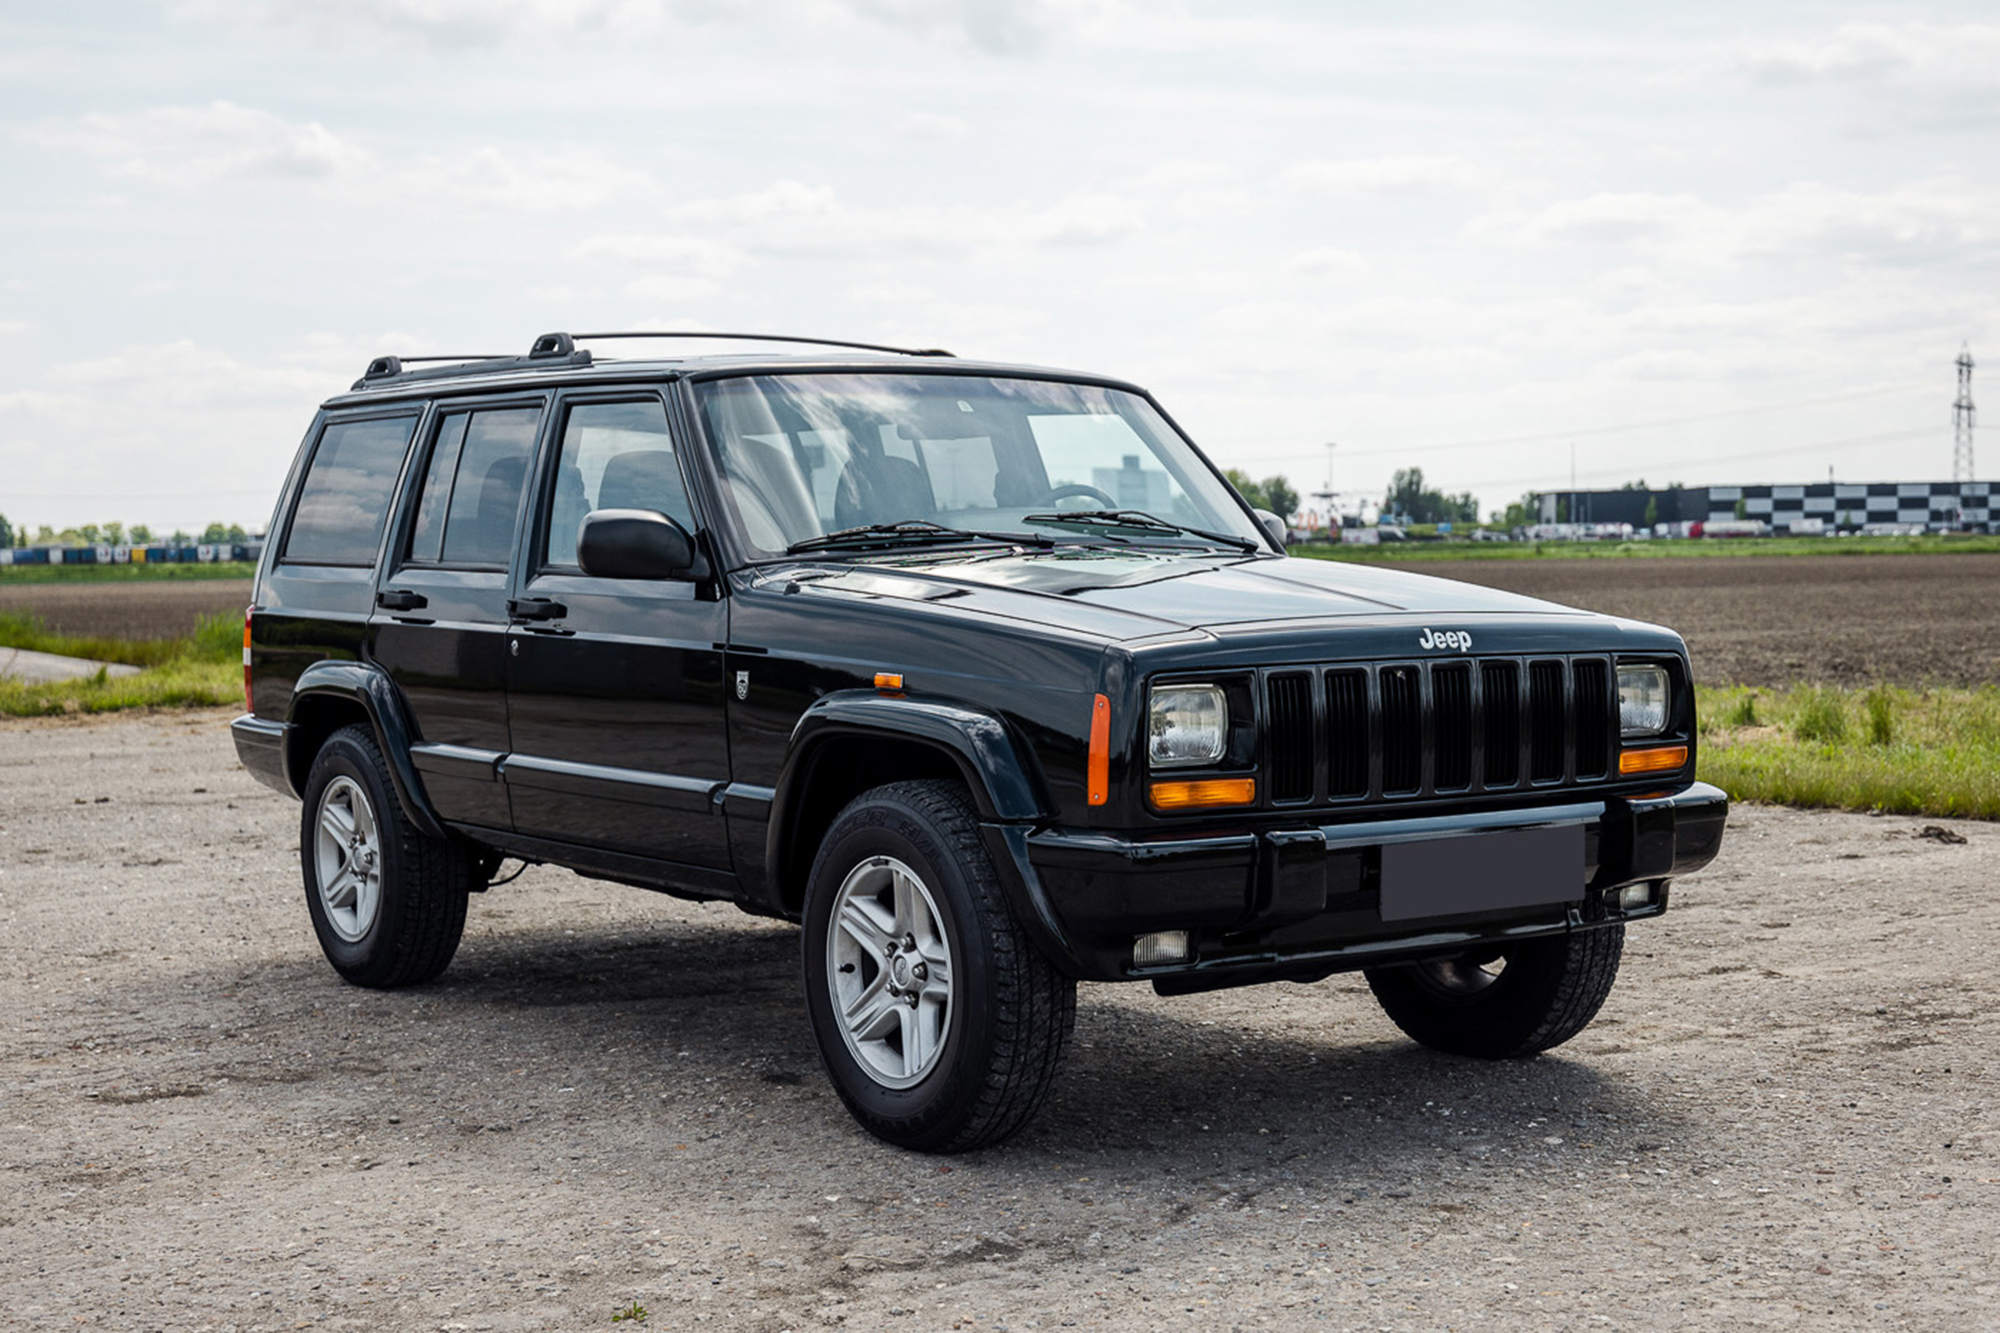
(384, 369)
(569, 340)
(562, 348)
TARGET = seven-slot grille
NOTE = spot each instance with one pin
(1403, 730)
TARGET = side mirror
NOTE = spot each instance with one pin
(637, 544)
(1274, 527)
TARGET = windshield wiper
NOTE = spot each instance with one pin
(909, 532)
(1137, 519)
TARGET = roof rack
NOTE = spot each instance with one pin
(562, 349)
(569, 340)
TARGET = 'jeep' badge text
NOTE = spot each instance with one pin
(1447, 639)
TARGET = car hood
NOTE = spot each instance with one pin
(1134, 593)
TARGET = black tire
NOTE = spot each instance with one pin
(418, 903)
(1544, 994)
(999, 1030)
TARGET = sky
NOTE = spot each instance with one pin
(1509, 244)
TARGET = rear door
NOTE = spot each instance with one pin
(440, 620)
(615, 686)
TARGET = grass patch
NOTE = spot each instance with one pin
(1911, 752)
(199, 670)
(228, 569)
(1398, 552)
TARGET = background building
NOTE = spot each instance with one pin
(1846, 506)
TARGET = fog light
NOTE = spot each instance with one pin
(1162, 946)
(1634, 896)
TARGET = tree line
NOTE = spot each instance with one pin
(117, 534)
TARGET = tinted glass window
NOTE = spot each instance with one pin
(345, 497)
(805, 455)
(472, 487)
(427, 533)
(492, 465)
(614, 456)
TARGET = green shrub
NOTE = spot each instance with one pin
(1881, 714)
(1742, 713)
(1818, 715)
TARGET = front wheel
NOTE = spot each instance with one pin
(940, 1025)
(1506, 1004)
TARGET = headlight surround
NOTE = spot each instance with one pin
(1643, 699)
(1186, 725)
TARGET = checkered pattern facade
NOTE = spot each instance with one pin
(1856, 504)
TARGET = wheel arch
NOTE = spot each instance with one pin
(849, 742)
(332, 695)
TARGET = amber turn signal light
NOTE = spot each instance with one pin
(1193, 795)
(1656, 760)
(888, 680)
(1098, 778)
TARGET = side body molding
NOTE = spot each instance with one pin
(370, 687)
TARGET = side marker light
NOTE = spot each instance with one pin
(1098, 775)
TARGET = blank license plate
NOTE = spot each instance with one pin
(1482, 872)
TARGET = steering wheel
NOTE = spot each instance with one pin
(1077, 488)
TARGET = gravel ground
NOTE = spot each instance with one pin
(1784, 1118)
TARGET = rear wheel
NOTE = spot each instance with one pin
(940, 1025)
(387, 902)
(1507, 1003)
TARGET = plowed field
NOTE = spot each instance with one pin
(1780, 620)
(1757, 620)
(151, 609)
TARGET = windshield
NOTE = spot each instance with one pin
(807, 455)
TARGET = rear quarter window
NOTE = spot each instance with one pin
(344, 500)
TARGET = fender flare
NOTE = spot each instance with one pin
(371, 688)
(1004, 789)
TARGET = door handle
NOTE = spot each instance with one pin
(536, 608)
(401, 599)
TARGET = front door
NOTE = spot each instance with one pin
(440, 621)
(615, 688)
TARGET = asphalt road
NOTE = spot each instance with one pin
(1784, 1118)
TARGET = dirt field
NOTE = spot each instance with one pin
(142, 609)
(1784, 1118)
(1779, 620)
(1765, 620)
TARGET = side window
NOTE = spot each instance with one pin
(344, 499)
(472, 487)
(614, 456)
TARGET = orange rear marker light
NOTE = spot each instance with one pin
(1192, 795)
(1657, 760)
(888, 680)
(1098, 778)
(247, 706)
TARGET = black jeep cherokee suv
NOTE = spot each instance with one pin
(981, 673)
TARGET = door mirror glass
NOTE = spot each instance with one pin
(636, 544)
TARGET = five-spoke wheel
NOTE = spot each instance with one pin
(890, 968)
(943, 1028)
(387, 902)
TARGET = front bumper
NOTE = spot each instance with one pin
(1304, 902)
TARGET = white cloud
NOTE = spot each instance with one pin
(191, 147)
(1926, 55)
(1386, 175)
(790, 220)
(993, 26)
(195, 148)
(14, 328)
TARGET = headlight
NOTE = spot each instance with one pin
(1186, 725)
(1642, 700)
